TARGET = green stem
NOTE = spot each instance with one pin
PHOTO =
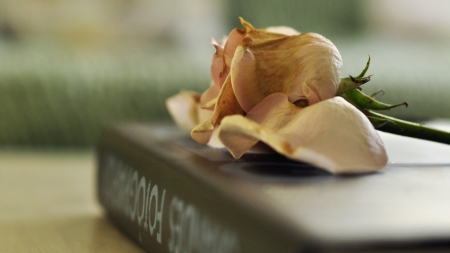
(410, 129)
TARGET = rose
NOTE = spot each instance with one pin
(279, 86)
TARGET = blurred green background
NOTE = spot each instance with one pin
(69, 68)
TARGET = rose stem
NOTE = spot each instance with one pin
(410, 129)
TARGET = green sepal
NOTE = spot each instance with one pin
(368, 102)
(349, 83)
(364, 70)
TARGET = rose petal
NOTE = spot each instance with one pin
(226, 105)
(203, 114)
(234, 40)
(305, 66)
(332, 134)
(221, 61)
(260, 35)
(209, 136)
(183, 108)
(208, 95)
(214, 140)
(217, 66)
(202, 132)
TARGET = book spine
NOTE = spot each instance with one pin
(167, 210)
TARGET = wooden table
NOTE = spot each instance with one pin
(48, 204)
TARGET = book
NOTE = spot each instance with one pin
(172, 195)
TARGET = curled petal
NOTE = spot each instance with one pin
(186, 110)
(209, 95)
(332, 134)
(203, 114)
(305, 67)
(217, 65)
(206, 133)
(234, 39)
(221, 61)
(225, 105)
(202, 132)
(183, 108)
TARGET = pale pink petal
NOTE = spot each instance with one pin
(206, 133)
(217, 65)
(332, 134)
(208, 95)
(225, 105)
(234, 39)
(202, 132)
(214, 140)
(305, 67)
(221, 61)
(183, 108)
(210, 105)
(203, 114)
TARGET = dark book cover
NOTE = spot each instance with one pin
(170, 194)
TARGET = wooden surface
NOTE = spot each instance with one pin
(48, 204)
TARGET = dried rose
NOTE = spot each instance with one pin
(280, 89)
